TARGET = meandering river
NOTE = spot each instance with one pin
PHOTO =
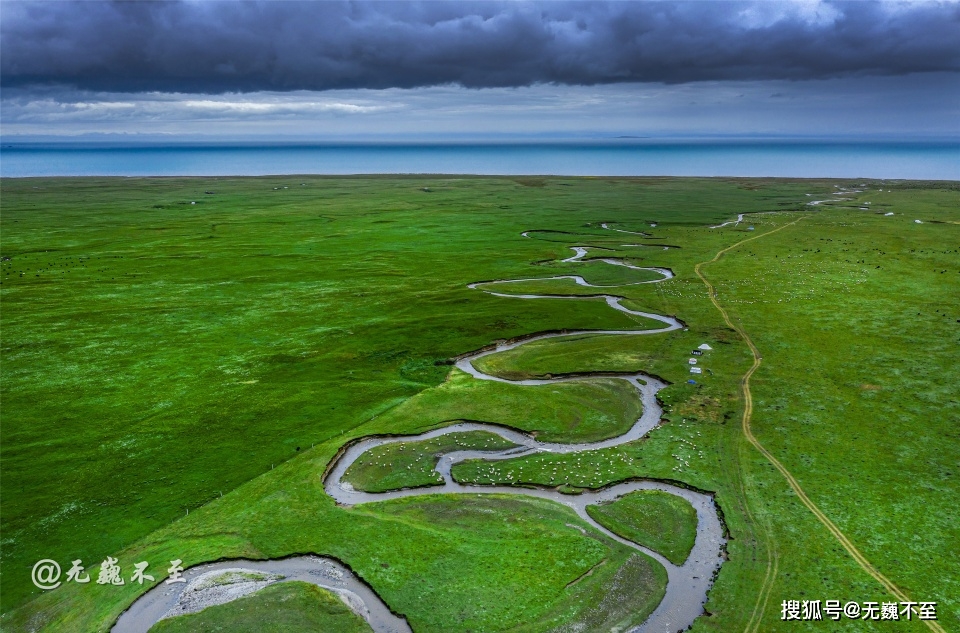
(687, 585)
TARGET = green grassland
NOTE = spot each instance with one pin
(599, 273)
(286, 607)
(160, 357)
(665, 523)
(412, 464)
(556, 287)
(564, 412)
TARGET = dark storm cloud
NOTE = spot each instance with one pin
(214, 47)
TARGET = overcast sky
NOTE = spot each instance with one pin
(461, 69)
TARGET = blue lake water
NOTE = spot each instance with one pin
(626, 157)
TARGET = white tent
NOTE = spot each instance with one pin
(704, 346)
(696, 370)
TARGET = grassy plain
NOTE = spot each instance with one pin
(412, 464)
(564, 412)
(665, 523)
(157, 354)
